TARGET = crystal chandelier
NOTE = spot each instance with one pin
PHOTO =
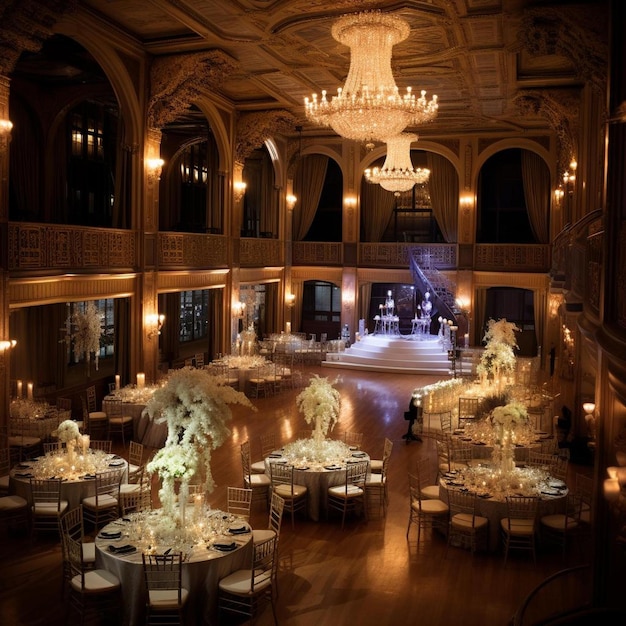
(397, 173)
(370, 107)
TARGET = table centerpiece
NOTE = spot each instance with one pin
(498, 357)
(506, 420)
(196, 408)
(320, 403)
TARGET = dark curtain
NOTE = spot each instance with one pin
(121, 313)
(216, 321)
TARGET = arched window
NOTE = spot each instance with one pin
(513, 198)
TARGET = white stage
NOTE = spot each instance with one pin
(402, 354)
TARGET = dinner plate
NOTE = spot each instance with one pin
(302, 469)
(332, 467)
(110, 535)
(116, 464)
(225, 547)
(551, 492)
(359, 455)
(239, 530)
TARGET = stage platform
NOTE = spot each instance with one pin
(402, 354)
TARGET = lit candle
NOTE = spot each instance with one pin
(117, 381)
(85, 443)
(288, 327)
(30, 391)
(611, 489)
(20, 388)
(141, 380)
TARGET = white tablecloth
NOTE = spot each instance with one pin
(145, 430)
(201, 573)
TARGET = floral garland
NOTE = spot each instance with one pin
(320, 404)
(195, 407)
(67, 431)
(87, 332)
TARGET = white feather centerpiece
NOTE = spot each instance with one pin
(197, 410)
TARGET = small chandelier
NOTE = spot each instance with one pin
(397, 173)
(370, 107)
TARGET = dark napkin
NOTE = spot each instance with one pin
(225, 547)
(127, 549)
(359, 454)
(332, 467)
(275, 455)
(23, 474)
(239, 531)
(111, 534)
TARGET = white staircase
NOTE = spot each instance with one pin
(393, 353)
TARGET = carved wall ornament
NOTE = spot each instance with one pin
(26, 24)
(577, 33)
(561, 110)
(177, 81)
(254, 128)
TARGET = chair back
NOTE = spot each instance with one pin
(468, 408)
(108, 483)
(5, 460)
(353, 439)
(462, 502)
(64, 404)
(71, 527)
(522, 508)
(542, 460)
(281, 474)
(277, 507)
(268, 443)
(54, 446)
(92, 402)
(135, 453)
(114, 408)
(356, 474)
(239, 502)
(263, 561)
(559, 468)
(163, 572)
(387, 449)
(445, 419)
(245, 462)
(46, 491)
(74, 547)
(104, 445)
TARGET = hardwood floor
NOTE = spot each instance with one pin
(367, 574)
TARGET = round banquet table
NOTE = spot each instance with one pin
(493, 506)
(318, 477)
(202, 569)
(73, 489)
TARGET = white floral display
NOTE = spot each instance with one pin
(316, 453)
(498, 356)
(87, 332)
(506, 419)
(196, 408)
(67, 431)
(320, 403)
(21, 407)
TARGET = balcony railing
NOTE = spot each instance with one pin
(54, 247)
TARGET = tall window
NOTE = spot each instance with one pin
(321, 302)
(194, 322)
(194, 174)
(502, 212)
(91, 186)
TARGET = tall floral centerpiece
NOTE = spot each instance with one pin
(506, 420)
(320, 403)
(86, 334)
(498, 357)
(196, 409)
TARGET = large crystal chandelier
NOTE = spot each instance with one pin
(397, 173)
(370, 107)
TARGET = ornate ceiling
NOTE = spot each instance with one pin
(496, 65)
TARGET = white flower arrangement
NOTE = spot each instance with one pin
(87, 332)
(320, 403)
(500, 344)
(196, 409)
(510, 416)
(67, 431)
(21, 407)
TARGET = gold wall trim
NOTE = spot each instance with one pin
(330, 274)
(33, 292)
(316, 253)
(261, 274)
(189, 281)
(440, 256)
(508, 279)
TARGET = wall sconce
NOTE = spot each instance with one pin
(6, 344)
(349, 201)
(6, 126)
(290, 300)
(239, 189)
(590, 418)
(154, 167)
(239, 309)
(466, 201)
(154, 323)
(291, 201)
